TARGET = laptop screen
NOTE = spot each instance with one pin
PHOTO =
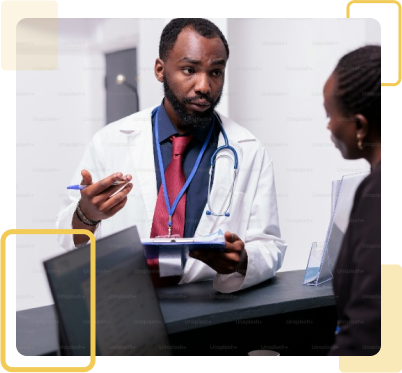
(128, 318)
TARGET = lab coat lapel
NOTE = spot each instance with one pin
(140, 146)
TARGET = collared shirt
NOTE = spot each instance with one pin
(197, 191)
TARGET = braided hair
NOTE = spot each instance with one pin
(201, 26)
(358, 76)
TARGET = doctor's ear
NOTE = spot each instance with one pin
(159, 69)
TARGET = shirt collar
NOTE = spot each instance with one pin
(167, 129)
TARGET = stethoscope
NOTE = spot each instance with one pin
(214, 157)
(212, 169)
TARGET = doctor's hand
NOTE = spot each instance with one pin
(96, 201)
(232, 259)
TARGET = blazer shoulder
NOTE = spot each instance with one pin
(368, 192)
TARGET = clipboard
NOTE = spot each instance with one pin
(172, 253)
(189, 245)
(213, 241)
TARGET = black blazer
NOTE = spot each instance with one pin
(357, 275)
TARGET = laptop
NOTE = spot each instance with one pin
(128, 317)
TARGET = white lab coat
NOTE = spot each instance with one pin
(126, 146)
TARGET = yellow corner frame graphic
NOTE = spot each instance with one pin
(92, 300)
(12, 11)
(399, 30)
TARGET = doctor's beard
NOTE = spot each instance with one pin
(198, 120)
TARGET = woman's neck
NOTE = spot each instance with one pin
(374, 156)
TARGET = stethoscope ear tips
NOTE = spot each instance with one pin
(227, 214)
(208, 212)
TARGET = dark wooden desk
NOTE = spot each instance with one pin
(280, 314)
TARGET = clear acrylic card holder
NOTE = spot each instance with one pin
(323, 255)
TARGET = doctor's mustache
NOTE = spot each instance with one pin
(199, 97)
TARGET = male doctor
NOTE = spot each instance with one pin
(192, 60)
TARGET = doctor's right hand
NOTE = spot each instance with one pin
(98, 201)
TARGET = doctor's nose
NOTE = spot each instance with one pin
(203, 85)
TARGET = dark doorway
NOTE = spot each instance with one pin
(121, 99)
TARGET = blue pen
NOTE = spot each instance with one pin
(82, 186)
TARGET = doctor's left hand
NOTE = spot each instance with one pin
(232, 259)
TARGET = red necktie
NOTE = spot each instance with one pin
(175, 180)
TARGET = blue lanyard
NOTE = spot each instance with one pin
(190, 178)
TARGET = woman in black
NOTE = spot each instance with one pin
(352, 100)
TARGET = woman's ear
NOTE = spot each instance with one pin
(159, 69)
(361, 126)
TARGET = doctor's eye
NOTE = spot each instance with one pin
(188, 70)
(217, 72)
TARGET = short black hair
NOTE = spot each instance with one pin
(201, 26)
(358, 87)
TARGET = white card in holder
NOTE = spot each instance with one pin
(323, 255)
